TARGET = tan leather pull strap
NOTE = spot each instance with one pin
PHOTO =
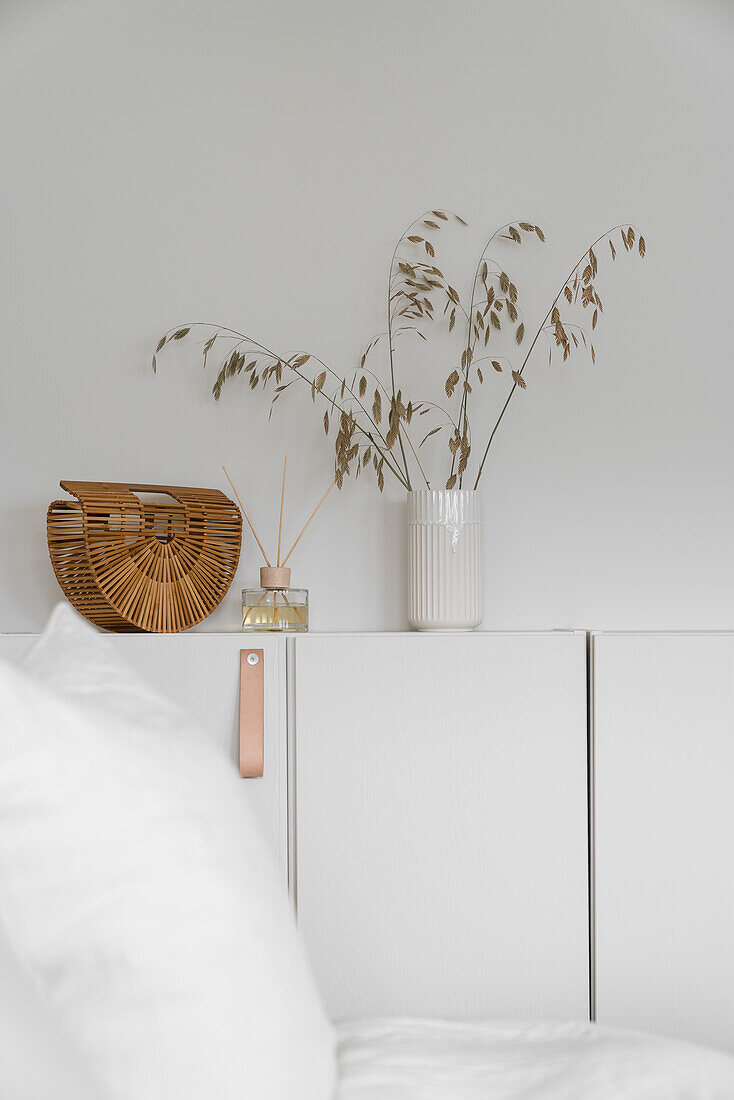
(252, 713)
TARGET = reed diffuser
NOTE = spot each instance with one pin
(275, 606)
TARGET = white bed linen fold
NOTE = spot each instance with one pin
(402, 1059)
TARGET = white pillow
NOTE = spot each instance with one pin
(36, 1058)
(74, 659)
(136, 887)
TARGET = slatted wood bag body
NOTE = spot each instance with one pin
(133, 565)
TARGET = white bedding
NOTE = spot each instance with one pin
(137, 893)
(382, 1059)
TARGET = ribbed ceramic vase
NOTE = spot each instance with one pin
(445, 570)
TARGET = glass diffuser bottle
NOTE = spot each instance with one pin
(274, 605)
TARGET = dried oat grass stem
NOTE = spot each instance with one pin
(554, 303)
(390, 338)
(242, 338)
(372, 419)
(469, 343)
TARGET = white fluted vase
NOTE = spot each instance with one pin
(445, 570)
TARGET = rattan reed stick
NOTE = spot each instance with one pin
(250, 609)
(282, 499)
(244, 513)
(303, 529)
(292, 606)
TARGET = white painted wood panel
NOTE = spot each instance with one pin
(201, 671)
(442, 822)
(664, 824)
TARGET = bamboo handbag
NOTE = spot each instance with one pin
(130, 565)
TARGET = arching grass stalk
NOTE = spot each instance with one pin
(569, 290)
(370, 421)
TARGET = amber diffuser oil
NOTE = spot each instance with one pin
(274, 606)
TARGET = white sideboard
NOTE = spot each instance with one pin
(426, 797)
(663, 709)
(441, 810)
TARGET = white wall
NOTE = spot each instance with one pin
(253, 164)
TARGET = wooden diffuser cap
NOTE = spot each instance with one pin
(273, 576)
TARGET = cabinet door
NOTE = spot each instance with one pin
(201, 672)
(664, 776)
(442, 822)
